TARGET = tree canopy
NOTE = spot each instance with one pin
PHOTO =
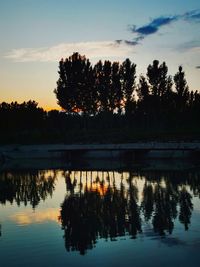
(104, 87)
(107, 102)
(111, 87)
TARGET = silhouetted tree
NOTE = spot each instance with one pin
(117, 99)
(157, 76)
(182, 91)
(144, 102)
(75, 87)
(26, 115)
(161, 99)
(128, 70)
(143, 89)
(102, 103)
(103, 73)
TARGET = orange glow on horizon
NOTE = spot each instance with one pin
(96, 187)
(49, 108)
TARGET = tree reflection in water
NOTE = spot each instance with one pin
(26, 187)
(97, 208)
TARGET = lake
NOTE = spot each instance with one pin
(100, 217)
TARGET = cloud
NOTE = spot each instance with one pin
(126, 42)
(152, 27)
(192, 16)
(103, 49)
(93, 50)
(192, 46)
(132, 43)
(155, 24)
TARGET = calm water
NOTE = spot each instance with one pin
(99, 218)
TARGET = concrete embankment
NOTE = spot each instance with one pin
(131, 151)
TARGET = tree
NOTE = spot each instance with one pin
(103, 85)
(117, 99)
(143, 89)
(108, 86)
(158, 78)
(160, 91)
(182, 90)
(128, 72)
(143, 103)
(75, 87)
(26, 115)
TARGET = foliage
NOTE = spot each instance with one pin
(103, 103)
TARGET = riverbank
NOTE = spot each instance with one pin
(131, 151)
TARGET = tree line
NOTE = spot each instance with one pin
(107, 102)
(111, 87)
(16, 116)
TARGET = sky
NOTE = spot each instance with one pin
(36, 34)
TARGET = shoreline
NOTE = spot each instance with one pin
(141, 150)
(165, 156)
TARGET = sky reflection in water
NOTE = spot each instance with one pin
(52, 218)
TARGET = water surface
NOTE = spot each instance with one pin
(99, 218)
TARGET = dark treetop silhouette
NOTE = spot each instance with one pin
(104, 103)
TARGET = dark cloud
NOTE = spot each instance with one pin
(118, 41)
(155, 24)
(158, 22)
(146, 30)
(133, 43)
(127, 42)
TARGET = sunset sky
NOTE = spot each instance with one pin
(36, 34)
